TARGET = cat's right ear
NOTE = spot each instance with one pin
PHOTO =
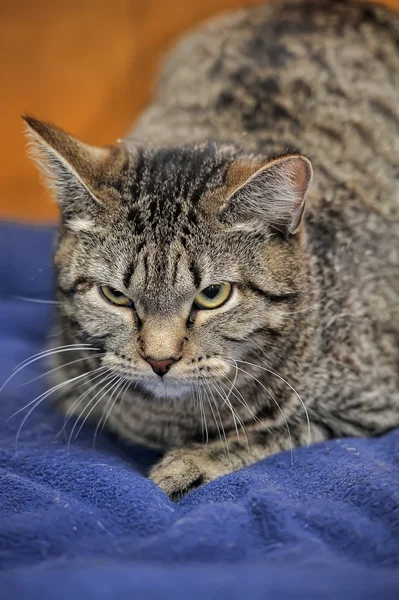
(76, 172)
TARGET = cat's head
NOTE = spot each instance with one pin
(176, 261)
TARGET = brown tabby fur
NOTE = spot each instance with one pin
(193, 198)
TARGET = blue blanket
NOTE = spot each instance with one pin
(85, 523)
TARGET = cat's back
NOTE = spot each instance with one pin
(321, 76)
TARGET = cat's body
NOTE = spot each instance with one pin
(316, 312)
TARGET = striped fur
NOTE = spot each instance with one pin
(196, 196)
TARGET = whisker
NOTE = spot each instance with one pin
(233, 383)
(245, 404)
(41, 355)
(290, 386)
(43, 352)
(228, 404)
(277, 404)
(197, 400)
(306, 309)
(110, 388)
(107, 381)
(106, 378)
(35, 300)
(123, 394)
(37, 401)
(61, 367)
(235, 415)
(48, 392)
(204, 424)
(197, 391)
(224, 438)
(79, 400)
(53, 335)
(196, 397)
(208, 397)
(231, 392)
(118, 389)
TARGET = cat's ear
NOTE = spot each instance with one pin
(274, 195)
(74, 171)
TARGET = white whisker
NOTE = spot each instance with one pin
(238, 396)
(35, 300)
(48, 392)
(228, 404)
(204, 423)
(223, 432)
(122, 395)
(61, 367)
(98, 373)
(107, 381)
(234, 413)
(276, 403)
(290, 386)
(38, 400)
(306, 309)
(121, 384)
(44, 354)
(53, 335)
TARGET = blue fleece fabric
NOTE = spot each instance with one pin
(84, 523)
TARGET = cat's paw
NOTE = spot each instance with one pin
(181, 471)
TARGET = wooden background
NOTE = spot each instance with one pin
(87, 65)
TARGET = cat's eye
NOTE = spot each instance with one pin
(115, 297)
(213, 296)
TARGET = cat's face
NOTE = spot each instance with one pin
(173, 262)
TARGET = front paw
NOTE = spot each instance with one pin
(181, 471)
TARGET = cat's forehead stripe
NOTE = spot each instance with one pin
(183, 173)
(127, 277)
(196, 274)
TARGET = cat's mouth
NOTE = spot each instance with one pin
(168, 386)
(171, 383)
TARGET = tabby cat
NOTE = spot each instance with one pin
(203, 310)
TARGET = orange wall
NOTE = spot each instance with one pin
(87, 65)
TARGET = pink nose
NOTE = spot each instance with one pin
(160, 367)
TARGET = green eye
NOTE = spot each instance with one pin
(213, 296)
(115, 297)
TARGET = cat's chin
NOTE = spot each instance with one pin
(164, 389)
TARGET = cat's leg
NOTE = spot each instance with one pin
(184, 469)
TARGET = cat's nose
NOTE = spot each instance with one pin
(161, 367)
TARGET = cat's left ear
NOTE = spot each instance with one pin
(274, 195)
(79, 174)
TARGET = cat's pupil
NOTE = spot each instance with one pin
(211, 291)
(116, 293)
